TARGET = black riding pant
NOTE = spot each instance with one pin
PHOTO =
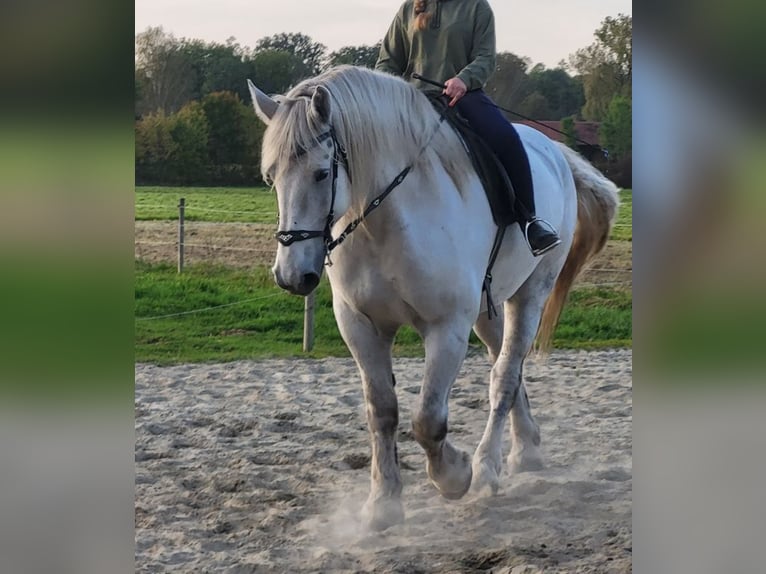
(481, 113)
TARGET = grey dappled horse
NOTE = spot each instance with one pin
(419, 257)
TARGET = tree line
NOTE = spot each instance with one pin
(194, 124)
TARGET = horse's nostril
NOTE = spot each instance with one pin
(279, 281)
(310, 281)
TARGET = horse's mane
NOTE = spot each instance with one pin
(375, 115)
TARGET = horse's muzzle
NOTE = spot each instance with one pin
(308, 282)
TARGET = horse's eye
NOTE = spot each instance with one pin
(321, 174)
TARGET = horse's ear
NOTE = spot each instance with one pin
(265, 107)
(320, 104)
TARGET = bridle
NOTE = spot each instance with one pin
(288, 237)
(340, 157)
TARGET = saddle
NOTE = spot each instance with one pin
(497, 185)
(493, 176)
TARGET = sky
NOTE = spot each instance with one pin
(546, 31)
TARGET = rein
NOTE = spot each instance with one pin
(288, 237)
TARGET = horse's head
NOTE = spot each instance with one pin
(305, 162)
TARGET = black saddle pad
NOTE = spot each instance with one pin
(494, 178)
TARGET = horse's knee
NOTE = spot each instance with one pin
(384, 420)
(429, 428)
(504, 388)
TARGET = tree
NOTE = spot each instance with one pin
(165, 73)
(274, 71)
(172, 149)
(154, 148)
(508, 84)
(217, 67)
(365, 56)
(213, 142)
(227, 138)
(535, 106)
(606, 65)
(564, 94)
(539, 92)
(310, 53)
(600, 87)
(139, 91)
(189, 129)
(570, 135)
(616, 129)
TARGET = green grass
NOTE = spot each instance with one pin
(272, 325)
(246, 204)
(623, 229)
(596, 317)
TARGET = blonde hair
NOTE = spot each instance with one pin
(422, 18)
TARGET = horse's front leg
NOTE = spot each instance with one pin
(371, 348)
(448, 468)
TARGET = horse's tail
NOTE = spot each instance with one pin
(597, 203)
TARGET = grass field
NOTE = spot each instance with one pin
(245, 204)
(623, 227)
(263, 321)
(270, 324)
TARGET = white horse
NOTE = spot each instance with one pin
(336, 142)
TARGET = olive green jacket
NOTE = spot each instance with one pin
(458, 41)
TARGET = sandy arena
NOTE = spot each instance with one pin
(263, 466)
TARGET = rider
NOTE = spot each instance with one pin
(453, 41)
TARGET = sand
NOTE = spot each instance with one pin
(263, 466)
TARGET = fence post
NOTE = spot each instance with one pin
(308, 323)
(181, 208)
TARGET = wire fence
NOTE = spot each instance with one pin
(206, 246)
(205, 309)
(209, 238)
(202, 210)
(225, 240)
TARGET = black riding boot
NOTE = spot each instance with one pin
(538, 233)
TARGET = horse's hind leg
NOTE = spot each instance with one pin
(490, 331)
(372, 351)
(448, 467)
(507, 394)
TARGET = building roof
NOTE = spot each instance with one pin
(586, 131)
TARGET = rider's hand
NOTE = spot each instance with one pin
(455, 88)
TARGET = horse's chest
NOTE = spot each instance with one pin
(395, 295)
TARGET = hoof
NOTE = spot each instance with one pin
(486, 479)
(383, 513)
(453, 479)
(455, 494)
(527, 459)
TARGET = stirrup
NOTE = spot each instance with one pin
(546, 248)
